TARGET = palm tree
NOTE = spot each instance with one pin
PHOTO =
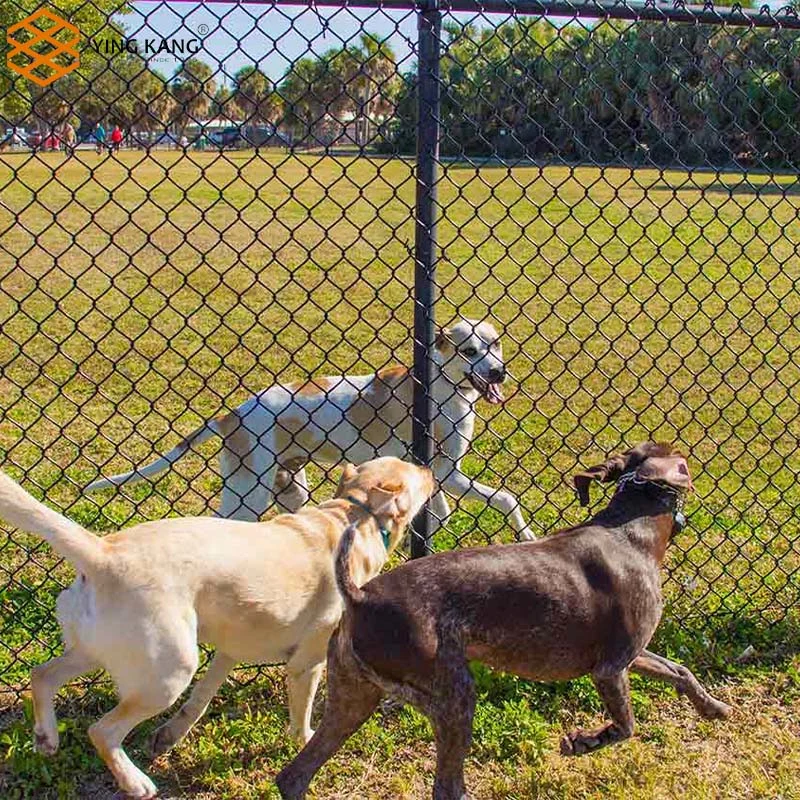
(192, 89)
(376, 84)
(305, 99)
(256, 96)
(154, 105)
(226, 104)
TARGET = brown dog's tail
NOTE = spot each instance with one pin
(350, 592)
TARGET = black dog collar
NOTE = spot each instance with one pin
(385, 535)
(680, 497)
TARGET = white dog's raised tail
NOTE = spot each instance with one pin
(81, 548)
(198, 436)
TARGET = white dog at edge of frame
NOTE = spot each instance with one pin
(269, 439)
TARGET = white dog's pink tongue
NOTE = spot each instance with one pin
(494, 394)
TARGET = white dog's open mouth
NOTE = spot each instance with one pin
(492, 392)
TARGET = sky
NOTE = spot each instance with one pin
(234, 36)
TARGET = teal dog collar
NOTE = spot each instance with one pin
(364, 507)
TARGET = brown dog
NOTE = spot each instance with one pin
(584, 601)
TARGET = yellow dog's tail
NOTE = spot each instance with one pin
(80, 547)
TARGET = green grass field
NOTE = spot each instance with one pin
(139, 295)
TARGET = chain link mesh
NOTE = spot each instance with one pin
(617, 196)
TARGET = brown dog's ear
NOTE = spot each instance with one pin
(388, 499)
(348, 473)
(443, 343)
(672, 470)
(610, 470)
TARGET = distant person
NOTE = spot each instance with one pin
(68, 137)
(184, 143)
(99, 137)
(116, 138)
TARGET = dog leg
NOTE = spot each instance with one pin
(440, 511)
(245, 495)
(459, 485)
(454, 708)
(107, 735)
(615, 693)
(655, 666)
(302, 684)
(46, 680)
(291, 489)
(172, 731)
(351, 700)
(150, 678)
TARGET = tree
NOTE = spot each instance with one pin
(323, 95)
(225, 104)
(256, 96)
(192, 90)
(153, 104)
(376, 84)
(302, 93)
(20, 97)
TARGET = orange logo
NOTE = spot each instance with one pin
(43, 47)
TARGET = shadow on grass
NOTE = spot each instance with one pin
(244, 731)
(719, 187)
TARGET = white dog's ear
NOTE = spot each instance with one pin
(389, 499)
(443, 343)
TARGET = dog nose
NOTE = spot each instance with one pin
(497, 375)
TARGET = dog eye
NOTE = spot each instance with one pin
(469, 351)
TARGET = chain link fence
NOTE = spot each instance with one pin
(202, 202)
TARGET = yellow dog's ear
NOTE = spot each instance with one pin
(348, 473)
(389, 499)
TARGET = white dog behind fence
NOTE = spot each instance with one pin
(269, 439)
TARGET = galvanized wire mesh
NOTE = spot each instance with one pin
(616, 193)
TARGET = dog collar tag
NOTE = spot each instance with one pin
(680, 520)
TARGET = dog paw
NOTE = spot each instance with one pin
(526, 535)
(578, 744)
(138, 786)
(299, 734)
(162, 742)
(44, 744)
(717, 710)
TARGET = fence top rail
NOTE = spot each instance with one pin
(679, 11)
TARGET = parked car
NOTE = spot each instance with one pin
(264, 136)
(227, 138)
(141, 138)
(168, 139)
(14, 137)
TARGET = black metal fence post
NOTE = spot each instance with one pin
(429, 25)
